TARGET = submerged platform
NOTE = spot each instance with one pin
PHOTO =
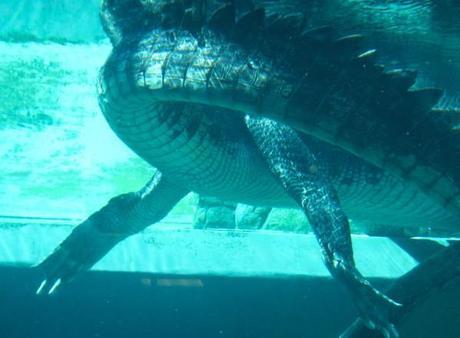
(170, 281)
(169, 249)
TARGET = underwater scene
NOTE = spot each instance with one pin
(229, 168)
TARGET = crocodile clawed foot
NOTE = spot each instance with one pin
(77, 253)
(375, 308)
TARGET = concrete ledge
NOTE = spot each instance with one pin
(172, 250)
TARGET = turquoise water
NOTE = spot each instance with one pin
(60, 162)
(50, 117)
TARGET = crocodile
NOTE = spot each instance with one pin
(259, 110)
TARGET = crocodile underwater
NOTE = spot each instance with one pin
(259, 109)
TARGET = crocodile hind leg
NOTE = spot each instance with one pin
(303, 177)
(123, 216)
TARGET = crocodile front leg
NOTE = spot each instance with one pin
(124, 215)
(304, 179)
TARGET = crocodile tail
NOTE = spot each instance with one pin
(348, 99)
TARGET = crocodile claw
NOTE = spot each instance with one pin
(41, 287)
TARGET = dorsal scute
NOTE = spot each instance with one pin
(223, 19)
(451, 118)
(191, 20)
(423, 100)
(367, 56)
(250, 25)
(348, 45)
(320, 34)
(290, 25)
(343, 49)
(402, 79)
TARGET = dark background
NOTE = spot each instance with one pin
(104, 305)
